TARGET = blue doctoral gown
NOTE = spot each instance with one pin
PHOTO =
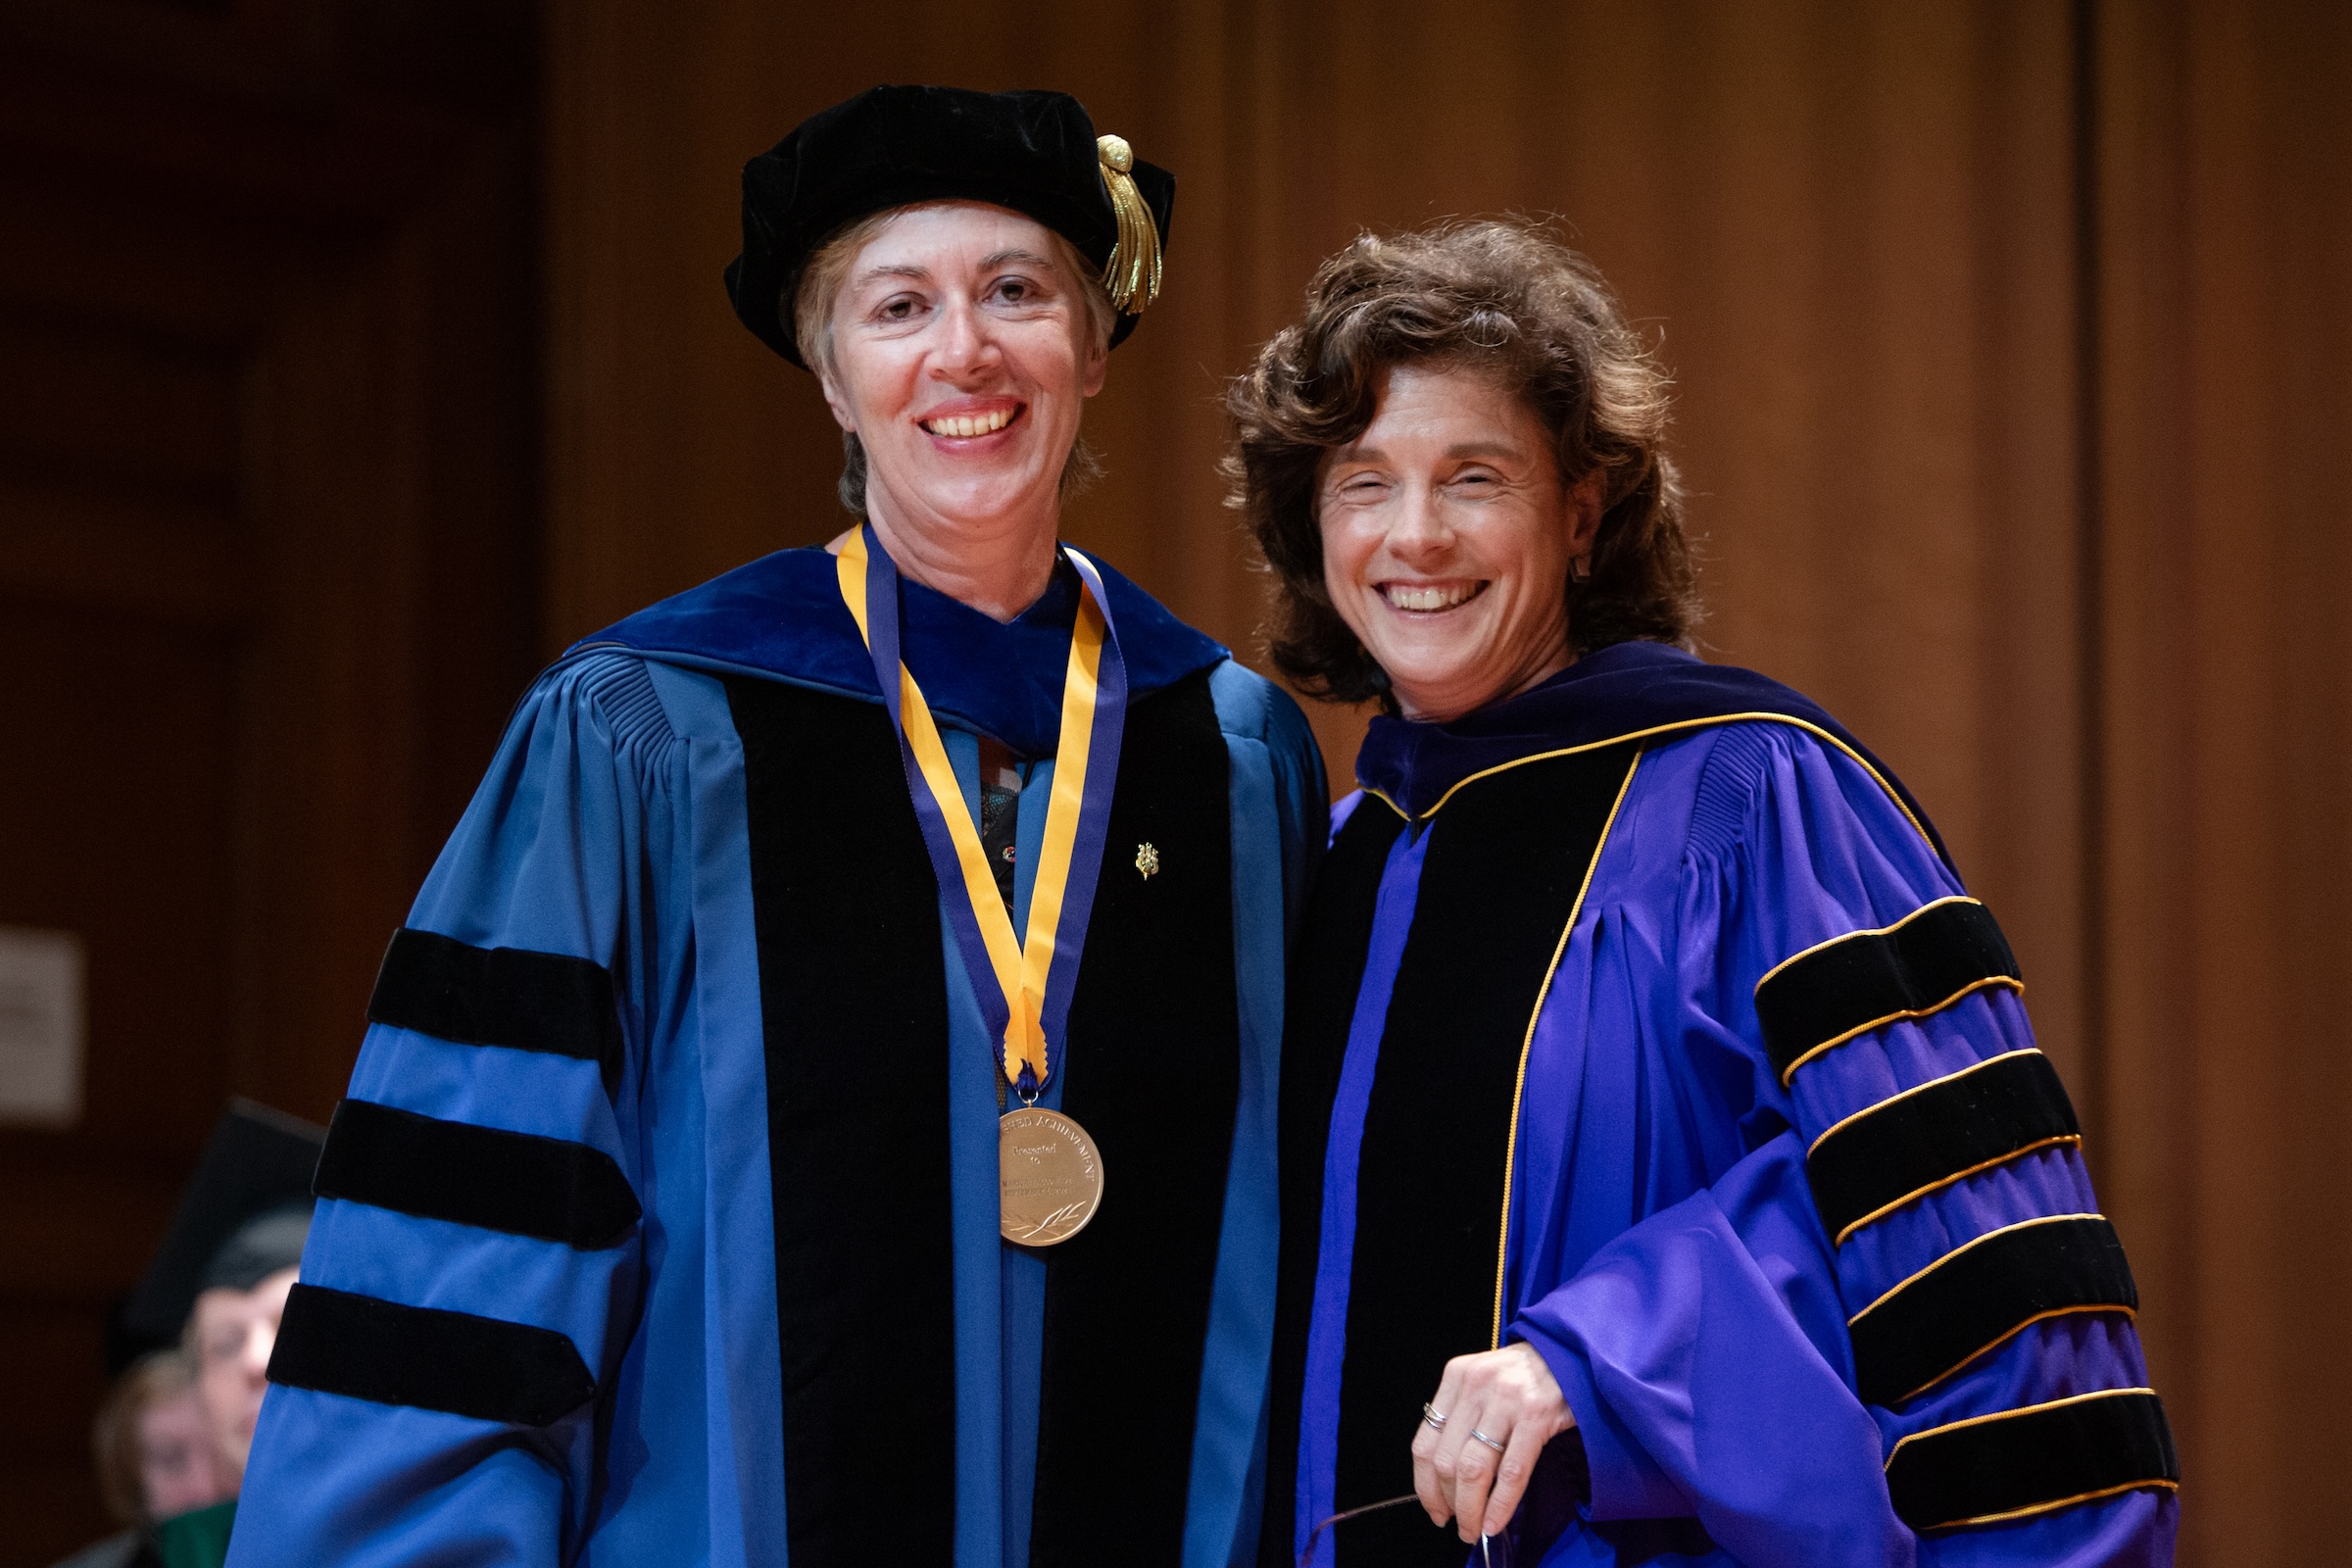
(1755, 1150)
(539, 1317)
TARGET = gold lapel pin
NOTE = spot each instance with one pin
(1146, 860)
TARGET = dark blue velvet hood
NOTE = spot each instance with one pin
(1618, 691)
(782, 615)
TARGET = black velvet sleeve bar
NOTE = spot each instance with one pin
(1979, 1294)
(2032, 1460)
(1931, 1136)
(484, 1367)
(513, 1181)
(510, 996)
(1919, 965)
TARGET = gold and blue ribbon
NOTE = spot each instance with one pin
(1024, 983)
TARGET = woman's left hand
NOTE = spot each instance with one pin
(1511, 1397)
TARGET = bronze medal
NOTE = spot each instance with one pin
(1048, 1176)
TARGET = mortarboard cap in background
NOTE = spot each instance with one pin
(1033, 152)
(241, 1218)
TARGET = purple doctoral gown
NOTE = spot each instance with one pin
(1794, 1211)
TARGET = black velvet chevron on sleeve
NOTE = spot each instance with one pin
(1980, 1293)
(1902, 1148)
(519, 1183)
(510, 996)
(484, 1367)
(1920, 965)
(2034, 1461)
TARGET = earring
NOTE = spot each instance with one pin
(1580, 569)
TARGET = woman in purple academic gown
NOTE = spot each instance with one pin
(1669, 1173)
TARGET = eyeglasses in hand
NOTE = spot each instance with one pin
(1493, 1551)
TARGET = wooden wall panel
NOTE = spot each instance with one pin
(394, 502)
(2226, 167)
(119, 749)
(268, 588)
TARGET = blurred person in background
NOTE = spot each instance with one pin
(156, 1458)
(234, 1326)
(1668, 1167)
(710, 1188)
(192, 1344)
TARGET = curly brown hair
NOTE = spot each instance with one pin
(1502, 297)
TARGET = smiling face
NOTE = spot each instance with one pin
(1446, 539)
(961, 356)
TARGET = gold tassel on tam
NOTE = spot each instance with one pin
(1132, 275)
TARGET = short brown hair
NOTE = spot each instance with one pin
(808, 307)
(1500, 297)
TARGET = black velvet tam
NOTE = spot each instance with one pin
(1033, 152)
(239, 1219)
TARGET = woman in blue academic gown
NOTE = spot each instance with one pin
(820, 1106)
(1669, 1172)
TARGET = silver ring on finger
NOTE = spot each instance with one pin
(1489, 1442)
(1432, 1418)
